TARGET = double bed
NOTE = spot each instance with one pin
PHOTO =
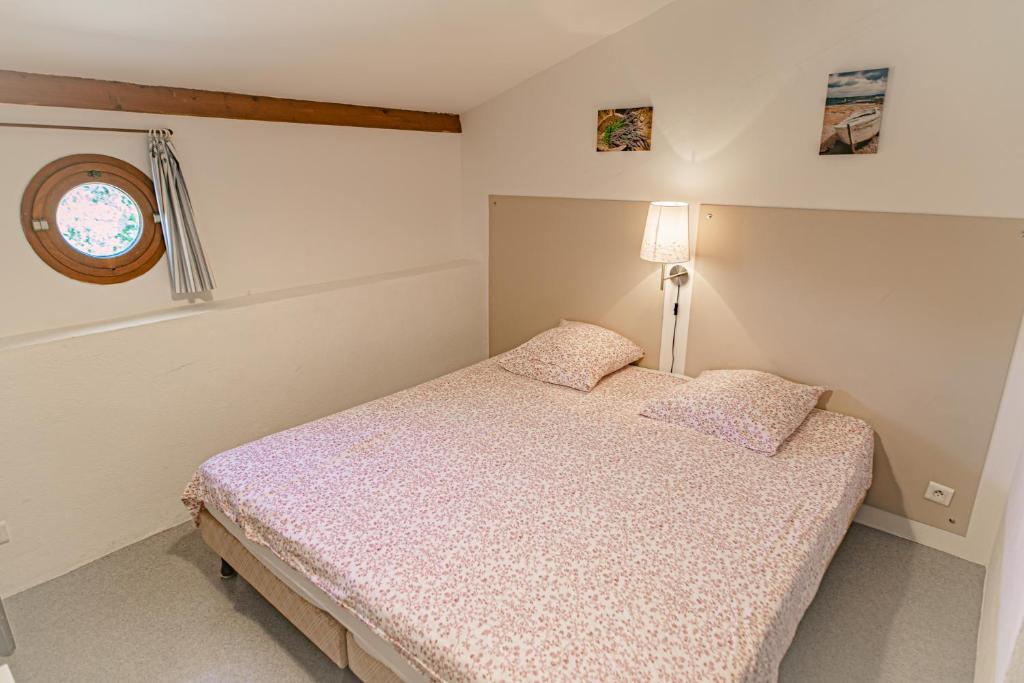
(485, 526)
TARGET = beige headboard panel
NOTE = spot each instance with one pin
(912, 319)
(571, 258)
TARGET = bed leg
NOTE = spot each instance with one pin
(226, 570)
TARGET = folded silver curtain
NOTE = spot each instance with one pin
(190, 274)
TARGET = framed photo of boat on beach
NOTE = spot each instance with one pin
(853, 112)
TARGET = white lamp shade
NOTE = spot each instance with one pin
(667, 234)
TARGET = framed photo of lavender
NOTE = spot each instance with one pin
(624, 130)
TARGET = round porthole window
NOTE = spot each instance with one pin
(99, 220)
(93, 218)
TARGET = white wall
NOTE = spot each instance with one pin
(1001, 636)
(280, 205)
(738, 90)
(342, 276)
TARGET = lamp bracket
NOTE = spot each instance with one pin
(678, 275)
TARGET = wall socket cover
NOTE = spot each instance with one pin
(937, 493)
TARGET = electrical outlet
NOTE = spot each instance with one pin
(937, 493)
(4, 536)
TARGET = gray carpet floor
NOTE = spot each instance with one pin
(888, 610)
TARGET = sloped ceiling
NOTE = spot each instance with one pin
(440, 55)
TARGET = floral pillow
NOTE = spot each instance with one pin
(756, 410)
(573, 354)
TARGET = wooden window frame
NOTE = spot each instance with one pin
(43, 194)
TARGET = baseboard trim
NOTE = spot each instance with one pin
(953, 544)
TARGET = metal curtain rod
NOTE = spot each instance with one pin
(92, 128)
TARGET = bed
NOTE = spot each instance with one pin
(485, 526)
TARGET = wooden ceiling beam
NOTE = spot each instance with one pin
(18, 87)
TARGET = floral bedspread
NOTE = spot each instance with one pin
(497, 528)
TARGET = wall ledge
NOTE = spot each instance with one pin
(52, 335)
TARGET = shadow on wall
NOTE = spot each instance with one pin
(882, 472)
(6, 636)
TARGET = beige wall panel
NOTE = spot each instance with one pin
(577, 259)
(910, 318)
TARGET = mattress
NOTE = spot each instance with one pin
(489, 527)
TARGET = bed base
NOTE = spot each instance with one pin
(360, 661)
(321, 628)
(363, 664)
(333, 639)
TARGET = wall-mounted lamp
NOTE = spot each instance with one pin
(667, 238)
